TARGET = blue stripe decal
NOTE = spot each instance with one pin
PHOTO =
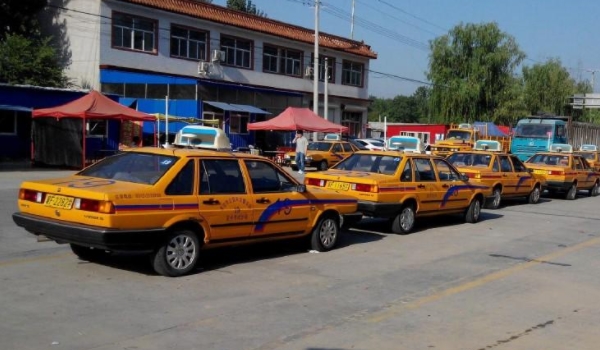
(454, 191)
(522, 179)
(287, 204)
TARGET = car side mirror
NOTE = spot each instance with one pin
(464, 177)
(301, 188)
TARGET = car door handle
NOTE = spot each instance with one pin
(445, 186)
(211, 201)
(421, 186)
(263, 200)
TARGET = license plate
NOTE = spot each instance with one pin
(540, 172)
(334, 185)
(60, 202)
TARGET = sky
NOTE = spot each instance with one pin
(399, 31)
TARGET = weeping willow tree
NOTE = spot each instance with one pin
(472, 71)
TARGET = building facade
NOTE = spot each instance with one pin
(212, 63)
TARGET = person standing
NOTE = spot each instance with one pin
(301, 148)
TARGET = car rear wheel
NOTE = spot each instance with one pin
(473, 212)
(325, 234)
(404, 222)
(572, 192)
(534, 195)
(496, 199)
(595, 190)
(323, 165)
(178, 255)
(87, 253)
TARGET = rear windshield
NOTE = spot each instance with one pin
(547, 159)
(378, 164)
(587, 155)
(141, 168)
(319, 146)
(470, 159)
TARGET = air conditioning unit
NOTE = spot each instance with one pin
(308, 72)
(217, 56)
(203, 68)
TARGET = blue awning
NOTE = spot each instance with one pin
(230, 107)
(15, 108)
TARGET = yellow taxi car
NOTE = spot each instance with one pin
(591, 154)
(322, 154)
(172, 203)
(565, 171)
(402, 186)
(504, 173)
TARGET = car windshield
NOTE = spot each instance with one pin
(534, 130)
(587, 155)
(549, 159)
(142, 168)
(459, 135)
(379, 164)
(470, 159)
(319, 146)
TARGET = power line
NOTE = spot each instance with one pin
(413, 16)
(396, 18)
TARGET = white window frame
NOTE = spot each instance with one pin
(200, 47)
(231, 52)
(214, 116)
(134, 29)
(89, 133)
(240, 119)
(354, 72)
(14, 115)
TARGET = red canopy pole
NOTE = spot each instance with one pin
(84, 126)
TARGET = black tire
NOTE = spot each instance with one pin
(404, 222)
(323, 165)
(178, 255)
(594, 191)
(325, 234)
(473, 213)
(534, 195)
(494, 203)
(572, 192)
(87, 253)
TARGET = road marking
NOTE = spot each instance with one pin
(18, 261)
(400, 306)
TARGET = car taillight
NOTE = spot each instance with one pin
(364, 188)
(470, 175)
(315, 182)
(32, 196)
(94, 205)
(556, 172)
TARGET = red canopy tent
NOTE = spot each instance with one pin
(298, 119)
(92, 106)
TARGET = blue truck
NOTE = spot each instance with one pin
(535, 134)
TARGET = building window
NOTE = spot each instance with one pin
(97, 128)
(352, 73)
(238, 52)
(113, 88)
(135, 90)
(188, 43)
(8, 122)
(238, 124)
(353, 121)
(214, 116)
(331, 70)
(282, 61)
(134, 33)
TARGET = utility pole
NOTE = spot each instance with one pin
(352, 22)
(593, 71)
(325, 92)
(316, 66)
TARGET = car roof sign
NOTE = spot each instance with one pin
(204, 137)
(561, 147)
(593, 148)
(488, 145)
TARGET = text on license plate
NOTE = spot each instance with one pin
(334, 185)
(542, 172)
(61, 202)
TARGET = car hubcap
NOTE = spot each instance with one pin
(476, 210)
(497, 197)
(536, 194)
(181, 252)
(407, 218)
(328, 232)
(573, 192)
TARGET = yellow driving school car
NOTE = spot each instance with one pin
(591, 154)
(322, 154)
(171, 203)
(503, 173)
(565, 171)
(402, 186)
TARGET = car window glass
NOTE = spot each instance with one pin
(584, 163)
(519, 166)
(407, 173)
(221, 176)
(142, 168)
(496, 165)
(424, 170)
(505, 165)
(267, 178)
(183, 182)
(347, 147)
(445, 173)
(577, 163)
(337, 148)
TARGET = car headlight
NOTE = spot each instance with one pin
(308, 159)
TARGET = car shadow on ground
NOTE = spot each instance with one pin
(513, 202)
(220, 258)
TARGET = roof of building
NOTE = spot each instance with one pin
(239, 19)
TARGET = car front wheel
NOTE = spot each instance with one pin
(178, 255)
(325, 234)
(534, 195)
(473, 212)
(323, 165)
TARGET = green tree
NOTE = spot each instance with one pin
(547, 87)
(20, 17)
(421, 97)
(245, 6)
(471, 68)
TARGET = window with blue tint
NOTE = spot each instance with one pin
(137, 167)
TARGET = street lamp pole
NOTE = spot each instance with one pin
(316, 66)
